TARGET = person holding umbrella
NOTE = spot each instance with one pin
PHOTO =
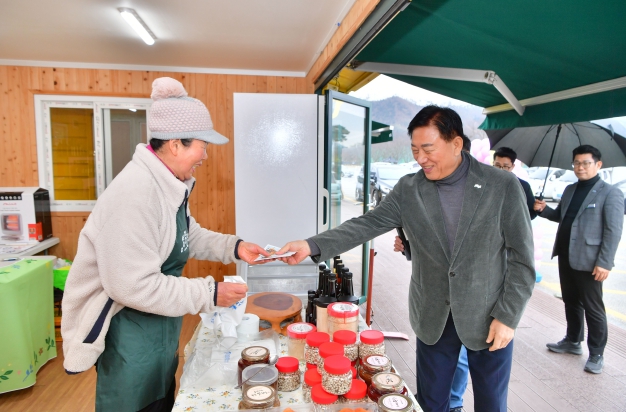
(590, 217)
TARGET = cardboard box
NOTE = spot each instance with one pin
(21, 207)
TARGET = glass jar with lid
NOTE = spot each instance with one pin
(371, 365)
(348, 339)
(394, 402)
(322, 399)
(321, 312)
(311, 379)
(312, 345)
(259, 397)
(250, 356)
(372, 343)
(356, 394)
(328, 349)
(288, 374)
(336, 375)
(297, 333)
(267, 376)
(384, 383)
(342, 316)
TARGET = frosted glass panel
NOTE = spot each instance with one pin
(276, 167)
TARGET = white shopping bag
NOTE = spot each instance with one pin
(225, 320)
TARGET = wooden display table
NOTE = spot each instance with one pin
(275, 308)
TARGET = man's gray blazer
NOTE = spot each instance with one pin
(597, 227)
(489, 274)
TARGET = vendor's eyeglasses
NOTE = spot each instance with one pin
(502, 167)
(585, 164)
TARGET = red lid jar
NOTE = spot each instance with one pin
(357, 392)
(287, 364)
(350, 348)
(320, 397)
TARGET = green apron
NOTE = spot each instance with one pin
(140, 358)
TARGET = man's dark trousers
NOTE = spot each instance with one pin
(436, 365)
(582, 296)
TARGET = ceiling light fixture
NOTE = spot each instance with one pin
(142, 29)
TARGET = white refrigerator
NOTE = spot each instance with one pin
(290, 149)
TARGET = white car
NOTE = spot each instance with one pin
(537, 176)
(569, 177)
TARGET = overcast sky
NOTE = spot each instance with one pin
(383, 87)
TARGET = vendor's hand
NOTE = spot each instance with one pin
(230, 293)
(301, 247)
(398, 246)
(600, 274)
(249, 251)
(539, 205)
(500, 335)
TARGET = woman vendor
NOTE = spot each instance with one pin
(125, 298)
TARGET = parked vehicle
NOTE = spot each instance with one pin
(537, 176)
(569, 177)
(336, 193)
(384, 179)
(358, 192)
(622, 186)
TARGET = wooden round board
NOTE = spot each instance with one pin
(275, 307)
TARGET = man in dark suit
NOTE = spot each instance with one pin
(504, 159)
(590, 218)
(472, 260)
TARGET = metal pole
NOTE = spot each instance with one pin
(558, 132)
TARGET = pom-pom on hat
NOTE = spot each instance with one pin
(174, 115)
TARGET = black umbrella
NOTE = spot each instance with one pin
(552, 145)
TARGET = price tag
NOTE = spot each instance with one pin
(258, 393)
(388, 379)
(395, 402)
(377, 360)
(345, 307)
(301, 327)
(256, 351)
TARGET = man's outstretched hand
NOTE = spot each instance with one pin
(301, 247)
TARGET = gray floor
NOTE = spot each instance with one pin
(541, 380)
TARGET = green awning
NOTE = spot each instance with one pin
(535, 47)
(381, 132)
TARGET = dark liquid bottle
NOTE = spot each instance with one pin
(332, 285)
(320, 281)
(310, 308)
(347, 288)
(325, 276)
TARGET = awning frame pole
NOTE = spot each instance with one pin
(447, 73)
(558, 132)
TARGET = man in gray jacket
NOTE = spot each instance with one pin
(472, 260)
(590, 218)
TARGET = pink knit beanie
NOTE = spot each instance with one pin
(174, 115)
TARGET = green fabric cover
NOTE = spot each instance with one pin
(535, 46)
(26, 322)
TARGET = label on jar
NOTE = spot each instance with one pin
(255, 352)
(377, 360)
(345, 307)
(388, 379)
(394, 402)
(258, 393)
(301, 327)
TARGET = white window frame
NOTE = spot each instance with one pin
(102, 142)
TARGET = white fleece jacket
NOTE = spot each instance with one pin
(124, 242)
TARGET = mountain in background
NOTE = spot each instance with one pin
(399, 112)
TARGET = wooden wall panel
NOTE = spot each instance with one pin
(213, 199)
